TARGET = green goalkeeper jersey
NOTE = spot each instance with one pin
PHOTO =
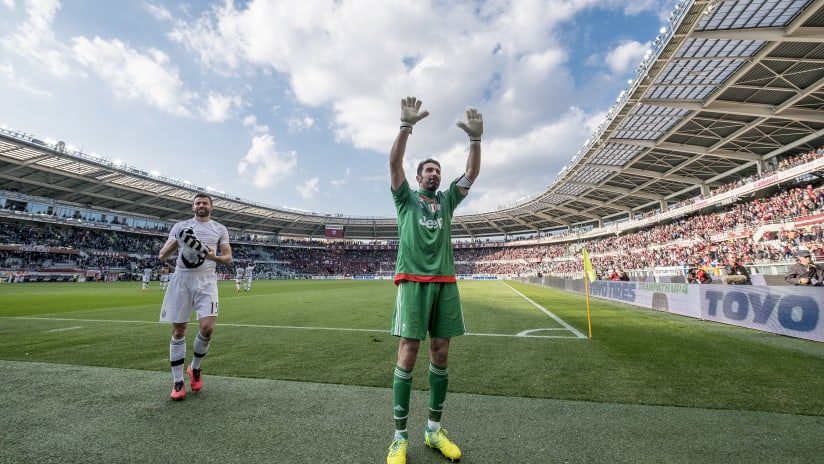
(425, 233)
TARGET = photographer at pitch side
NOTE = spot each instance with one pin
(805, 271)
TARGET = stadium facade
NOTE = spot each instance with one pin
(726, 89)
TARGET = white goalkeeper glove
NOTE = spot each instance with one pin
(473, 126)
(411, 112)
(192, 251)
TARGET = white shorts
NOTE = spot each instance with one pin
(189, 291)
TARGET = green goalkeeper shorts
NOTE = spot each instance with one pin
(433, 307)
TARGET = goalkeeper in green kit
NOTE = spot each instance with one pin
(427, 300)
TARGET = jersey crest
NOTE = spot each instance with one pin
(429, 205)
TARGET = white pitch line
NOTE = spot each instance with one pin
(263, 326)
(340, 329)
(221, 324)
(65, 328)
(549, 313)
(521, 335)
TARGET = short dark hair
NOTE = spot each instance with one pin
(203, 195)
(428, 160)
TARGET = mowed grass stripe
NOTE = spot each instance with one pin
(636, 356)
(91, 415)
(284, 302)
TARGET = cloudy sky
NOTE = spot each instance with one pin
(296, 103)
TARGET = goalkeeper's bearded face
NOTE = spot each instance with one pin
(429, 176)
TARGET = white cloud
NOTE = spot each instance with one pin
(516, 167)
(319, 49)
(34, 39)
(626, 56)
(9, 4)
(252, 121)
(300, 124)
(635, 7)
(220, 107)
(158, 12)
(214, 44)
(501, 57)
(264, 164)
(8, 77)
(344, 66)
(309, 188)
(338, 183)
(147, 77)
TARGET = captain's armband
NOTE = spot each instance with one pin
(463, 182)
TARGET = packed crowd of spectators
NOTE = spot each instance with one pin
(686, 241)
(691, 241)
(698, 240)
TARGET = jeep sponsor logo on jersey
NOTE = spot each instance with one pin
(431, 224)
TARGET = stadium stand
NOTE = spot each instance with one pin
(714, 146)
(765, 229)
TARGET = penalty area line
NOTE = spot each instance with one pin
(524, 334)
(557, 319)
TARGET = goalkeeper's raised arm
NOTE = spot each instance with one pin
(411, 113)
(473, 125)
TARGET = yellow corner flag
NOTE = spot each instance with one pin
(589, 276)
(588, 270)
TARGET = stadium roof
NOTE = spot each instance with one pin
(729, 86)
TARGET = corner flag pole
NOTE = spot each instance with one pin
(589, 275)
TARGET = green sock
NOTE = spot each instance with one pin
(438, 381)
(401, 389)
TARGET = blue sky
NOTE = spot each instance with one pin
(296, 103)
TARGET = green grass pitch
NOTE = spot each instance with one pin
(525, 352)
